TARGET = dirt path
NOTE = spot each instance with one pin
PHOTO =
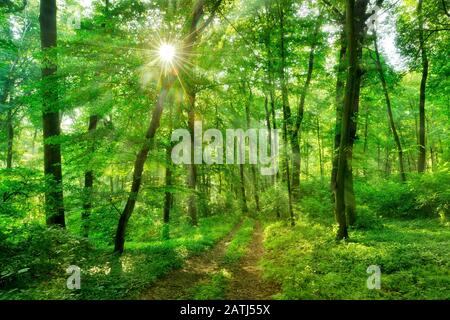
(178, 283)
(247, 282)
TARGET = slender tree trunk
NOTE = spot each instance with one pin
(422, 96)
(266, 108)
(389, 111)
(296, 160)
(286, 113)
(168, 197)
(242, 184)
(10, 138)
(192, 167)
(253, 166)
(139, 165)
(54, 199)
(366, 133)
(319, 144)
(89, 174)
(89, 178)
(197, 14)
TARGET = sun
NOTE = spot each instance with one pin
(167, 53)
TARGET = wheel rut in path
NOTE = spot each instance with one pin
(247, 282)
(178, 283)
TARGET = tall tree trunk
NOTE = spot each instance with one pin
(54, 199)
(296, 161)
(366, 133)
(267, 113)
(10, 138)
(360, 33)
(193, 34)
(253, 166)
(389, 111)
(339, 101)
(349, 101)
(286, 113)
(423, 85)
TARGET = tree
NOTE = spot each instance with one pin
(166, 84)
(54, 200)
(389, 110)
(423, 87)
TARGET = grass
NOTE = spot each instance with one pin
(414, 257)
(106, 276)
(213, 289)
(239, 245)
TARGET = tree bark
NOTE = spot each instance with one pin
(89, 177)
(10, 138)
(319, 144)
(54, 199)
(197, 14)
(422, 96)
(339, 101)
(389, 111)
(139, 165)
(296, 160)
(154, 125)
(253, 166)
(349, 101)
(286, 113)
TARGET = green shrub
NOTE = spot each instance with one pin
(366, 219)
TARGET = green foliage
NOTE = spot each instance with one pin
(214, 289)
(315, 201)
(414, 258)
(41, 258)
(238, 247)
(274, 200)
(366, 219)
(422, 196)
(33, 256)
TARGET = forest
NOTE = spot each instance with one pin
(224, 149)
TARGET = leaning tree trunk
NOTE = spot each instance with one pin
(389, 111)
(54, 200)
(154, 125)
(139, 165)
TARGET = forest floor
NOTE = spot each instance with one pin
(210, 275)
